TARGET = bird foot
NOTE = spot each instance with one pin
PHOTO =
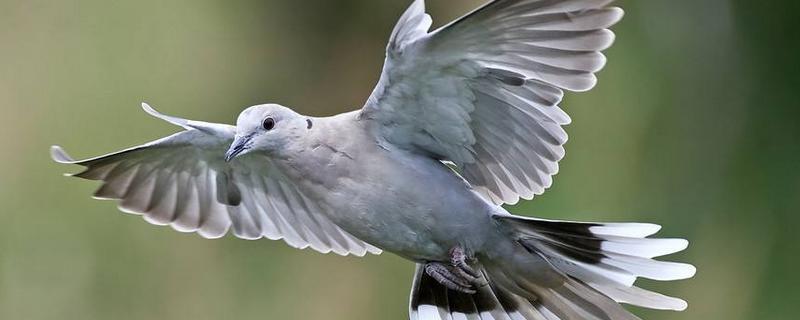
(458, 275)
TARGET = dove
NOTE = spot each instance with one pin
(464, 119)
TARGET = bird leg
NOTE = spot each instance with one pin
(458, 275)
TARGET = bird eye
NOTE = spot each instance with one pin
(268, 124)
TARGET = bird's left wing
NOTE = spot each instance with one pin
(483, 91)
(183, 181)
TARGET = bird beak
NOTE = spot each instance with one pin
(238, 146)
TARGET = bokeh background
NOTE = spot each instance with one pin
(694, 125)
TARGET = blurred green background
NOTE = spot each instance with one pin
(694, 125)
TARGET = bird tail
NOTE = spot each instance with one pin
(560, 270)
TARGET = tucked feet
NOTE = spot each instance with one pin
(457, 275)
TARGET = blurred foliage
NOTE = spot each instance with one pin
(694, 126)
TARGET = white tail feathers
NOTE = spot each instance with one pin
(633, 230)
(643, 247)
(562, 271)
(640, 297)
(606, 257)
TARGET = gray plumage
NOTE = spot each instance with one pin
(464, 119)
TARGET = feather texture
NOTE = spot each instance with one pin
(182, 181)
(606, 257)
(573, 300)
(483, 91)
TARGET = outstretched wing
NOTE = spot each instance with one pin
(483, 91)
(183, 181)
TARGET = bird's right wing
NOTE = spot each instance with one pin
(483, 91)
(183, 181)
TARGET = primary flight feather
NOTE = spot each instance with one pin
(464, 119)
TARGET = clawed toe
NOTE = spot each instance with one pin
(444, 275)
(459, 275)
(459, 260)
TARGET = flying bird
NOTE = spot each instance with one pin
(464, 119)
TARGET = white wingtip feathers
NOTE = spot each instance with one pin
(59, 155)
(413, 24)
(618, 14)
(173, 120)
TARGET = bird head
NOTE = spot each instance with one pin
(268, 128)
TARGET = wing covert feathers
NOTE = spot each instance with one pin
(483, 91)
(183, 181)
